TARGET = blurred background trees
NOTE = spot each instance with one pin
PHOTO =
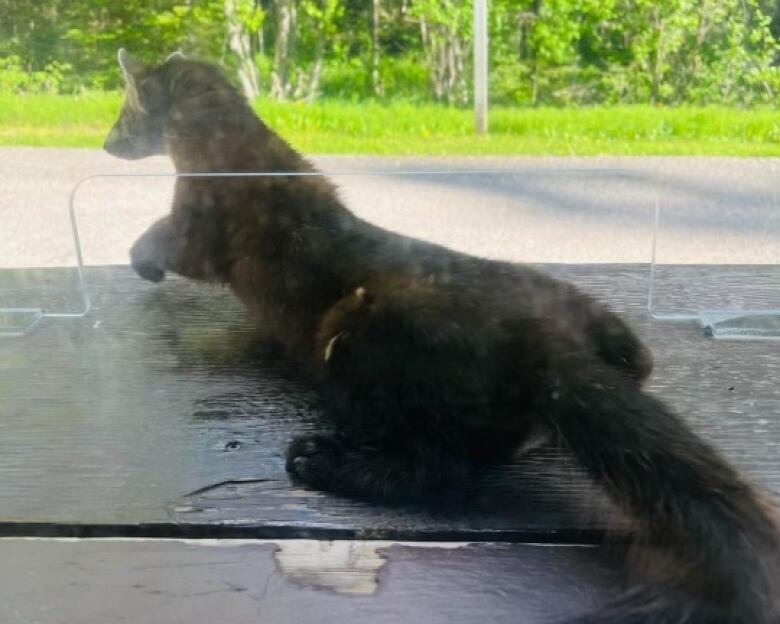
(559, 52)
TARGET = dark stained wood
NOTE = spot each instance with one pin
(138, 582)
(158, 414)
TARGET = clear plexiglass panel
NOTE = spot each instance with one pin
(40, 255)
(716, 255)
(547, 215)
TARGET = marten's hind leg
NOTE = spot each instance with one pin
(609, 336)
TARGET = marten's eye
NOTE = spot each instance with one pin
(151, 95)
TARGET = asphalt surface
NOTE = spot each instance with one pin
(714, 210)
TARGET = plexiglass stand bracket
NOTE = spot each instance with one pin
(22, 320)
(725, 324)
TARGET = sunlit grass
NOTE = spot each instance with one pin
(335, 127)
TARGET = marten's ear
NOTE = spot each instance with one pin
(176, 55)
(130, 67)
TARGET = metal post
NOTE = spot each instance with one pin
(480, 66)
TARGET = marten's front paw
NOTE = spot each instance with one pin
(149, 271)
(144, 265)
(312, 460)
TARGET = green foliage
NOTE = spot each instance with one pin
(15, 79)
(558, 52)
(607, 51)
(350, 80)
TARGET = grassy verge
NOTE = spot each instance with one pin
(404, 129)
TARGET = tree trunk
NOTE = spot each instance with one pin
(260, 34)
(316, 71)
(444, 51)
(285, 33)
(696, 54)
(376, 83)
(239, 42)
(657, 71)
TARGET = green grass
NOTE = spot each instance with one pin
(404, 129)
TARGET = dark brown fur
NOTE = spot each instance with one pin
(436, 361)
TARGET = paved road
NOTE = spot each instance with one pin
(547, 210)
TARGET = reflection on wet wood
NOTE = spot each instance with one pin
(162, 409)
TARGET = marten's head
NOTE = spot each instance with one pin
(140, 130)
(161, 99)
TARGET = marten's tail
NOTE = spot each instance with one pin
(708, 546)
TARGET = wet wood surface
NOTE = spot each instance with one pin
(158, 414)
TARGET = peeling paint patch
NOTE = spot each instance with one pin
(342, 567)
